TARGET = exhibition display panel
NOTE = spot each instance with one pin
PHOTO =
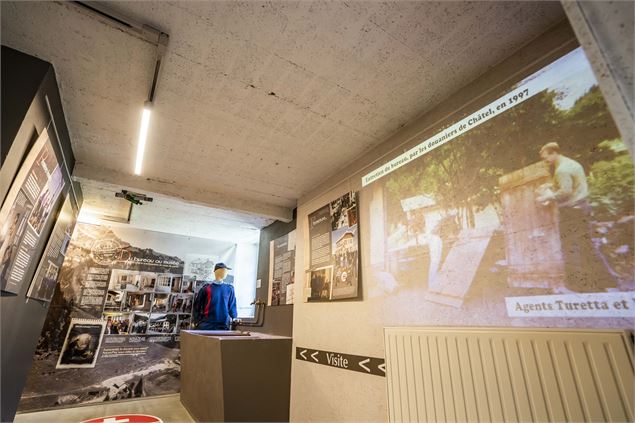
(112, 331)
(40, 205)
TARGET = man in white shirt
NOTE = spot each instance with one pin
(587, 270)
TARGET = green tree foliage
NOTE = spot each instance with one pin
(612, 182)
(463, 174)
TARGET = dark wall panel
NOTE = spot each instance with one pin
(278, 319)
(28, 88)
(22, 76)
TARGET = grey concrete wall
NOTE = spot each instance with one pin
(18, 90)
(278, 319)
(606, 33)
(324, 393)
(26, 83)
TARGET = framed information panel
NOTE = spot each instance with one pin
(29, 206)
(334, 251)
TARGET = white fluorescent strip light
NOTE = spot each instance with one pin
(143, 136)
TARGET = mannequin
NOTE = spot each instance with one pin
(220, 274)
(215, 303)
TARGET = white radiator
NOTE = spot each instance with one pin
(509, 375)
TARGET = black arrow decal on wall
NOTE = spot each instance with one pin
(356, 363)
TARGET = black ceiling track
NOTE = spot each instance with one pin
(102, 13)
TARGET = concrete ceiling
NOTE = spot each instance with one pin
(259, 102)
(167, 214)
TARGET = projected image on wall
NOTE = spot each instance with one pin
(529, 214)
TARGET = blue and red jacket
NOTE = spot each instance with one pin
(214, 306)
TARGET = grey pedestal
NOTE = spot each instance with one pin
(226, 377)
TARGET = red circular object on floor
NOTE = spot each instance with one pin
(126, 418)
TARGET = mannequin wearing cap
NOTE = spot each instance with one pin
(215, 302)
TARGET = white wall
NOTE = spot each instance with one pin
(245, 278)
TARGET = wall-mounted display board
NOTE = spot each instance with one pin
(29, 205)
(128, 285)
(82, 343)
(334, 251)
(43, 284)
(520, 213)
(282, 269)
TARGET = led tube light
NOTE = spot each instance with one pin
(143, 136)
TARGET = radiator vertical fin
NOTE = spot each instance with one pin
(508, 375)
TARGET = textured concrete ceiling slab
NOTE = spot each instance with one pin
(258, 102)
(166, 214)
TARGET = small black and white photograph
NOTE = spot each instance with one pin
(123, 280)
(117, 323)
(344, 211)
(135, 301)
(345, 257)
(138, 323)
(114, 300)
(81, 345)
(181, 303)
(199, 284)
(161, 303)
(200, 266)
(162, 323)
(320, 283)
(177, 284)
(187, 284)
(12, 228)
(146, 281)
(184, 321)
(164, 283)
(51, 272)
(45, 287)
(44, 204)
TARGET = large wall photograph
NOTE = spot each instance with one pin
(526, 219)
(112, 330)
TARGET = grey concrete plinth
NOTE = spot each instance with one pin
(226, 377)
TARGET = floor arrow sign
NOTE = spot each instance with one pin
(303, 354)
(361, 364)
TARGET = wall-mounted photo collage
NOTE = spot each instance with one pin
(334, 251)
(147, 303)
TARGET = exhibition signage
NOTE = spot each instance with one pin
(605, 304)
(112, 331)
(334, 251)
(29, 206)
(356, 363)
(282, 270)
(43, 285)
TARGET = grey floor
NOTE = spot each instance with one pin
(167, 408)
